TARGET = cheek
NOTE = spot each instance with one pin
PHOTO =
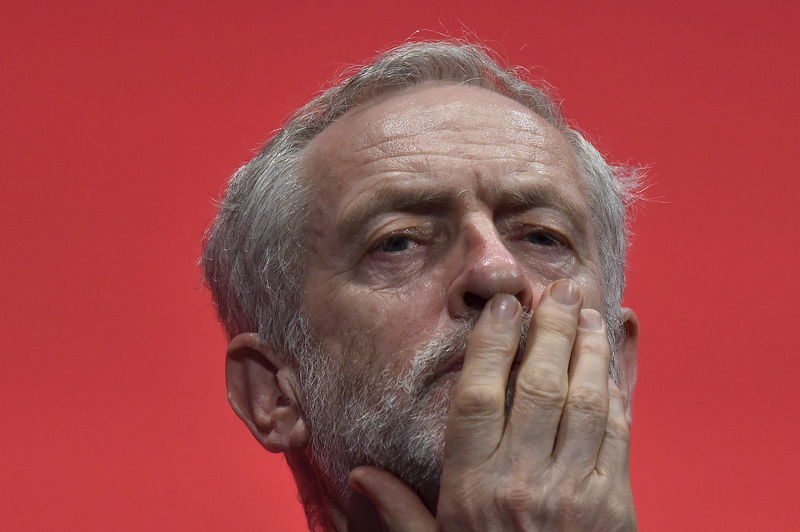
(590, 281)
(537, 289)
(393, 323)
(592, 297)
(403, 318)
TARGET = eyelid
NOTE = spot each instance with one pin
(557, 235)
(378, 242)
(419, 232)
(519, 229)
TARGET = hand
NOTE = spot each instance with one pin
(559, 461)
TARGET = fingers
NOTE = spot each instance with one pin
(477, 412)
(614, 452)
(541, 387)
(583, 420)
(398, 507)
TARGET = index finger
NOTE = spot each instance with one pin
(477, 411)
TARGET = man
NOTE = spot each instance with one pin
(421, 277)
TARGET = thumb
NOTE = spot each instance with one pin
(398, 506)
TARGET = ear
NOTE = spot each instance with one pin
(628, 356)
(263, 391)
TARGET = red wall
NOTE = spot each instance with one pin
(121, 122)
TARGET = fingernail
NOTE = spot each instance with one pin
(564, 292)
(590, 320)
(504, 307)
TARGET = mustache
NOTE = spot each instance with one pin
(439, 354)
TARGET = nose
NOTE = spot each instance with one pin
(488, 268)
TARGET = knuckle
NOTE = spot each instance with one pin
(477, 400)
(490, 344)
(618, 429)
(570, 501)
(587, 400)
(516, 495)
(544, 386)
(595, 343)
(558, 323)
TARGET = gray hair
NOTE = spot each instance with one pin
(253, 256)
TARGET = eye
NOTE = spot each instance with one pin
(544, 237)
(396, 244)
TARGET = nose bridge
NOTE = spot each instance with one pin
(486, 253)
(489, 268)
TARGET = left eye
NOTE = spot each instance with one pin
(544, 238)
(395, 244)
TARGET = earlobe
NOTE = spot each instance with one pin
(263, 391)
(628, 356)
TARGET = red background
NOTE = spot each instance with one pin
(121, 123)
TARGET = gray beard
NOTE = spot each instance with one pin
(393, 417)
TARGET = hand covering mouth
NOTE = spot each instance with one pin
(456, 363)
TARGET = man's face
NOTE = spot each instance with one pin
(430, 202)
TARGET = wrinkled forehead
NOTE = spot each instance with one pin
(444, 112)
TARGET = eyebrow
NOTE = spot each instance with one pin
(416, 199)
(394, 199)
(538, 195)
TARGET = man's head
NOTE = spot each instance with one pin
(363, 240)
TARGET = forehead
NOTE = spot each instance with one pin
(457, 134)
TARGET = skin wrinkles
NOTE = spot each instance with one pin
(419, 198)
(388, 215)
(401, 120)
(471, 144)
(404, 206)
(472, 137)
(462, 192)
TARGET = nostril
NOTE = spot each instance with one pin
(474, 301)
